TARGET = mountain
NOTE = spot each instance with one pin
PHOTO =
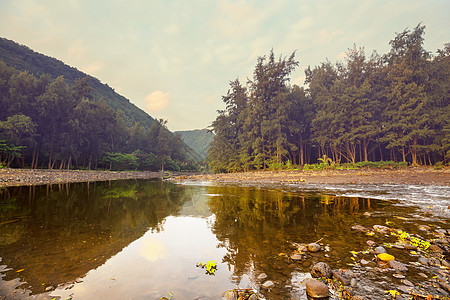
(198, 139)
(23, 58)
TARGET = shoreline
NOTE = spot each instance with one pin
(409, 176)
(21, 177)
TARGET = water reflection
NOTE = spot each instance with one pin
(58, 233)
(142, 239)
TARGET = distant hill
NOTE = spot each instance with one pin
(23, 58)
(198, 139)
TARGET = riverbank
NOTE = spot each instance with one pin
(410, 176)
(17, 177)
(415, 176)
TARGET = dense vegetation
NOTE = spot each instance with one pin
(47, 123)
(390, 107)
(198, 139)
(23, 58)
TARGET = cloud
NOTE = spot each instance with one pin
(157, 101)
(153, 249)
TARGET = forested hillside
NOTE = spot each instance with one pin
(48, 122)
(23, 58)
(382, 107)
(199, 140)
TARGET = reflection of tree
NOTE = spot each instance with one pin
(256, 224)
(58, 233)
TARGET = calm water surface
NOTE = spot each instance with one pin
(142, 239)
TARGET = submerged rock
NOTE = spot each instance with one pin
(313, 247)
(360, 228)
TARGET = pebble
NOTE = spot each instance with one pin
(422, 274)
(262, 276)
(341, 277)
(268, 284)
(359, 228)
(367, 214)
(370, 243)
(399, 276)
(379, 250)
(296, 256)
(407, 282)
(424, 227)
(364, 262)
(423, 260)
(397, 265)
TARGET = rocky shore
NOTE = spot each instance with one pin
(16, 177)
(416, 176)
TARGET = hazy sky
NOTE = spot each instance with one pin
(175, 58)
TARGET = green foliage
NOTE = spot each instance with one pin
(354, 166)
(120, 161)
(199, 140)
(392, 107)
(419, 243)
(25, 59)
(48, 123)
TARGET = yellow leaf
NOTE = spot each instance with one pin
(393, 293)
(389, 223)
(401, 218)
(385, 257)
(18, 271)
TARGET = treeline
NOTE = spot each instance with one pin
(383, 107)
(45, 123)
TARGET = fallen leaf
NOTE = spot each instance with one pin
(18, 271)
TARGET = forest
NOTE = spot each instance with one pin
(367, 108)
(46, 123)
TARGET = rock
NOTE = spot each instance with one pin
(341, 277)
(434, 261)
(409, 247)
(49, 288)
(424, 227)
(399, 276)
(357, 298)
(268, 284)
(397, 265)
(441, 241)
(381, 228)
(360, 228)
(321, 270)
(435, 248)
(445, 263)
(316, 288)
(229, 295)
(262, 276)
(379, 250)
(397, 246)
(353, 282)
(423, 275)
(367, 214)
(407, 282)
(313, 247)
(364, 262)
(423, 260)
(385, 257)
(370, 243)
(296, 256)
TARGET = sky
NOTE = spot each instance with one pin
(175, 58)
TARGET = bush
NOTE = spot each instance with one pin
(119, 161)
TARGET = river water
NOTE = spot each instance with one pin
(143, 239)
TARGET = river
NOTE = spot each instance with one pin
(144, 239)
